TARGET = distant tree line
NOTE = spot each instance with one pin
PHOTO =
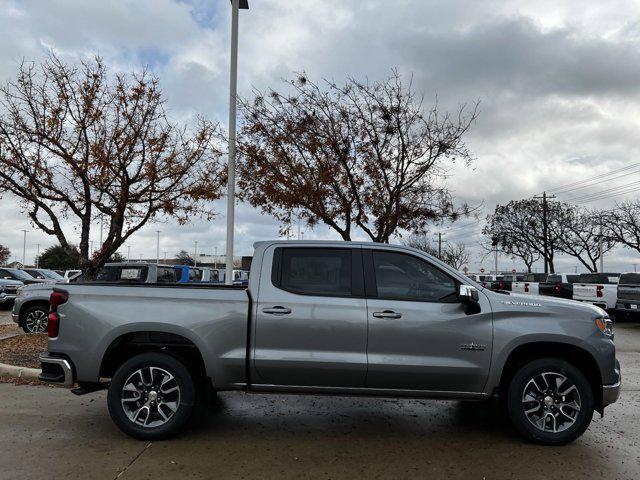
(518, 229)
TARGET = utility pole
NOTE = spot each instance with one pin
(38, 255)
(231, 167)
(158, 247)
(545, 228)
(165, 256)
(24, 247)
(496, 259)
(600, 251)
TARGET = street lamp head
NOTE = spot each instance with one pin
(244, 4)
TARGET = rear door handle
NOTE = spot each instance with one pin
(277, 310)
(387, 314)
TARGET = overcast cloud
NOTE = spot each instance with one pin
(557, 81)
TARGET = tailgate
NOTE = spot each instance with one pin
(628, 292)
(583, 291)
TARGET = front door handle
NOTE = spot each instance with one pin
(387, 314)
(277, 310)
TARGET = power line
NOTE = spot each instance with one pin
(590, 184)
(561, 188)
(604, 193)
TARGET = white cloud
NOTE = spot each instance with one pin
(557, 79)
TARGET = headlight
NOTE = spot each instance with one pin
(605, 325)
(19, 292)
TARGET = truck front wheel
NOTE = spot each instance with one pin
(151, 396)
(550, 401)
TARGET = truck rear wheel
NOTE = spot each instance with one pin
(151, 396)
(550, 401)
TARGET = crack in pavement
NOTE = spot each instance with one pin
(146, 447)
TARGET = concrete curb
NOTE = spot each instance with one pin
(19, 372)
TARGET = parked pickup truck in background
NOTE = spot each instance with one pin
(600, 289)
(341, 318)
(131, 272)
(628, 301)
(505, 282)
(8, 292)
(529, 284)
(558, 285)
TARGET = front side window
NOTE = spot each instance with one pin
(166, 275)
(404, 277)
(315, 271)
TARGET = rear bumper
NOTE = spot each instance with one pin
(610, 393)
(56, 370)
(628, 307)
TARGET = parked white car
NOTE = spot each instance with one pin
(530, 284)
(482, 279)
(600, 289)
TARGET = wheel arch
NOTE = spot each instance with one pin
(128, 344)
(579, 357)
(27, 304)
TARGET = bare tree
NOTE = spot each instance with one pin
(517, 229)
(76, 143)
(624, 224)
(581, 233)
(454, 254)
(359, 154)
(5, 254)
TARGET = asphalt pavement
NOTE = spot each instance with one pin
(49, 433)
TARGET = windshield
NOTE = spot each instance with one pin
(52, 275)
(604, 278)
(20, 274)
(554, 278)
(630, 279)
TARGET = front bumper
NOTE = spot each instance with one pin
(56, 370)
(15, 317)
(610, 393)
(7, 299)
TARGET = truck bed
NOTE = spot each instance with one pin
(212, 317)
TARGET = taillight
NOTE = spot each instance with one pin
(557, 288)
(599, 291)
(501, 285)
(56, 299)
(526, 287)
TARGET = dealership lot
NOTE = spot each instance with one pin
(259, 436)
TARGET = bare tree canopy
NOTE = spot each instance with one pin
(5, 254)
(454, 254)
(581, 233)
(358, 154)
(517, 230)
(624, 224)
(77, 143)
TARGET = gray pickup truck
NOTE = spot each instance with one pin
(337, 318)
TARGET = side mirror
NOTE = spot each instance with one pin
(469, 297)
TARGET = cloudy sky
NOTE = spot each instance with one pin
(558, 81)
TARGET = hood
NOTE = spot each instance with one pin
(516, 301)
(10, 282)
(38, 286)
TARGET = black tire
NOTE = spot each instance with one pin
(33, 315)
(184, 401)
(550, 415)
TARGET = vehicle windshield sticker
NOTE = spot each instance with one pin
(522, 304)
(130, 273)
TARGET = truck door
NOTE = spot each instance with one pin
(310, 318)
(420, 337)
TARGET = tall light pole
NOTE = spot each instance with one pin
(158, 247)
(128, 253)
(24, 247)
(101, 218)
(233, 93)
(38, 255)
(195, 255)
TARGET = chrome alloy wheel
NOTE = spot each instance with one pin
(36, 321)
(551, 402)
(150, 397)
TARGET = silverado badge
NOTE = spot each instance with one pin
(472, 346)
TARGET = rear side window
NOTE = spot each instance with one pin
(314, 271)
(404, 277)
(167, 275)
(195, 274)
(113, 273)
(630, 279)
(602, 278)
(554, 278)
(573, 278)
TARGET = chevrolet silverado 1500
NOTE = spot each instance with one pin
(339, 318)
